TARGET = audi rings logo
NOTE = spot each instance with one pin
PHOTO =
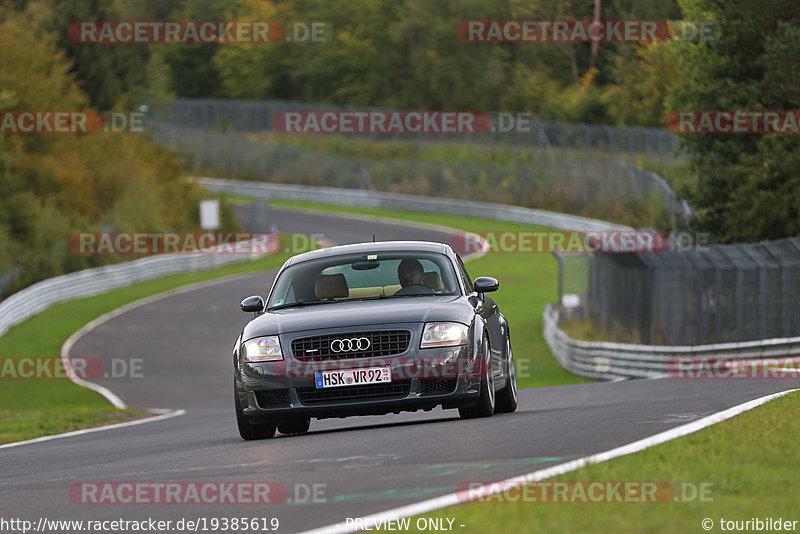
(350, 345)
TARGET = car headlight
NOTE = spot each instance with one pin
(263, 349)
(444, 335)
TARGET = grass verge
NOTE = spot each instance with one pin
(32, 408)
(587, 330)
(528, 281)
(743, 464)
(504, 152)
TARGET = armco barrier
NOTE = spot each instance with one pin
(40, 296)
(611, 361)
(373, 199)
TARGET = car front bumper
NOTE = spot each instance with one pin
(421, 379)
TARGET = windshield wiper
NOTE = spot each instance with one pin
(378, 297)
(418, 295)
(301, 303)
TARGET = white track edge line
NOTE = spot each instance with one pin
(462, 497)
(109, 395)
(153, 419)
(91, 325)
(105, 392)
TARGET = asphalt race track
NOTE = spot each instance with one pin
(361, 465)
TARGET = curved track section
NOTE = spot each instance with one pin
(362, 465)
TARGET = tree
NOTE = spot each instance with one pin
(192, 71)
(107, 73)
(54, 185)
(747, 183)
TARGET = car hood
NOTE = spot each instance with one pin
(360, 313)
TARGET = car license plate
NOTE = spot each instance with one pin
(352, 377)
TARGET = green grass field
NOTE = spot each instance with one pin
(501, 152)
(743, 465)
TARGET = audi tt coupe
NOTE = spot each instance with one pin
(371, 329)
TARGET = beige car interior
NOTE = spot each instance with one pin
(334, 286)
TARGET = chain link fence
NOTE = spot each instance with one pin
(570, 187)
(574, 141)
(573, 284)
(723, 293)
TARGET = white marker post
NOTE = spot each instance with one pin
(209, 214)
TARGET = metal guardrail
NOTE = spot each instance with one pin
(609, 361)
(88, 282)
(400, 201)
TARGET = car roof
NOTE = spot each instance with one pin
(370, 247)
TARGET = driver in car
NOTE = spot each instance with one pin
(410, 273)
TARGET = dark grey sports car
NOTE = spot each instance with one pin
(370, 329)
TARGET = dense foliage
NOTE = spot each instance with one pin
(401, 54)
(748, 186)
(52, 185)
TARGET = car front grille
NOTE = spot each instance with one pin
(381, 343)
(272, 398)
(439, 386)
(397, 389)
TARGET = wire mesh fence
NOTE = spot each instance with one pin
(576, 141)
(573, 284)
(571, 187)
(723, 293)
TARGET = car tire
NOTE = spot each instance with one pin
(295, 425)
(486, 401)
(507, 397)
(247, 430)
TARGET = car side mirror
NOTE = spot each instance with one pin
(485, 284)
(252, 304)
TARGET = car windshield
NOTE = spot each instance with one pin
(364, 276)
